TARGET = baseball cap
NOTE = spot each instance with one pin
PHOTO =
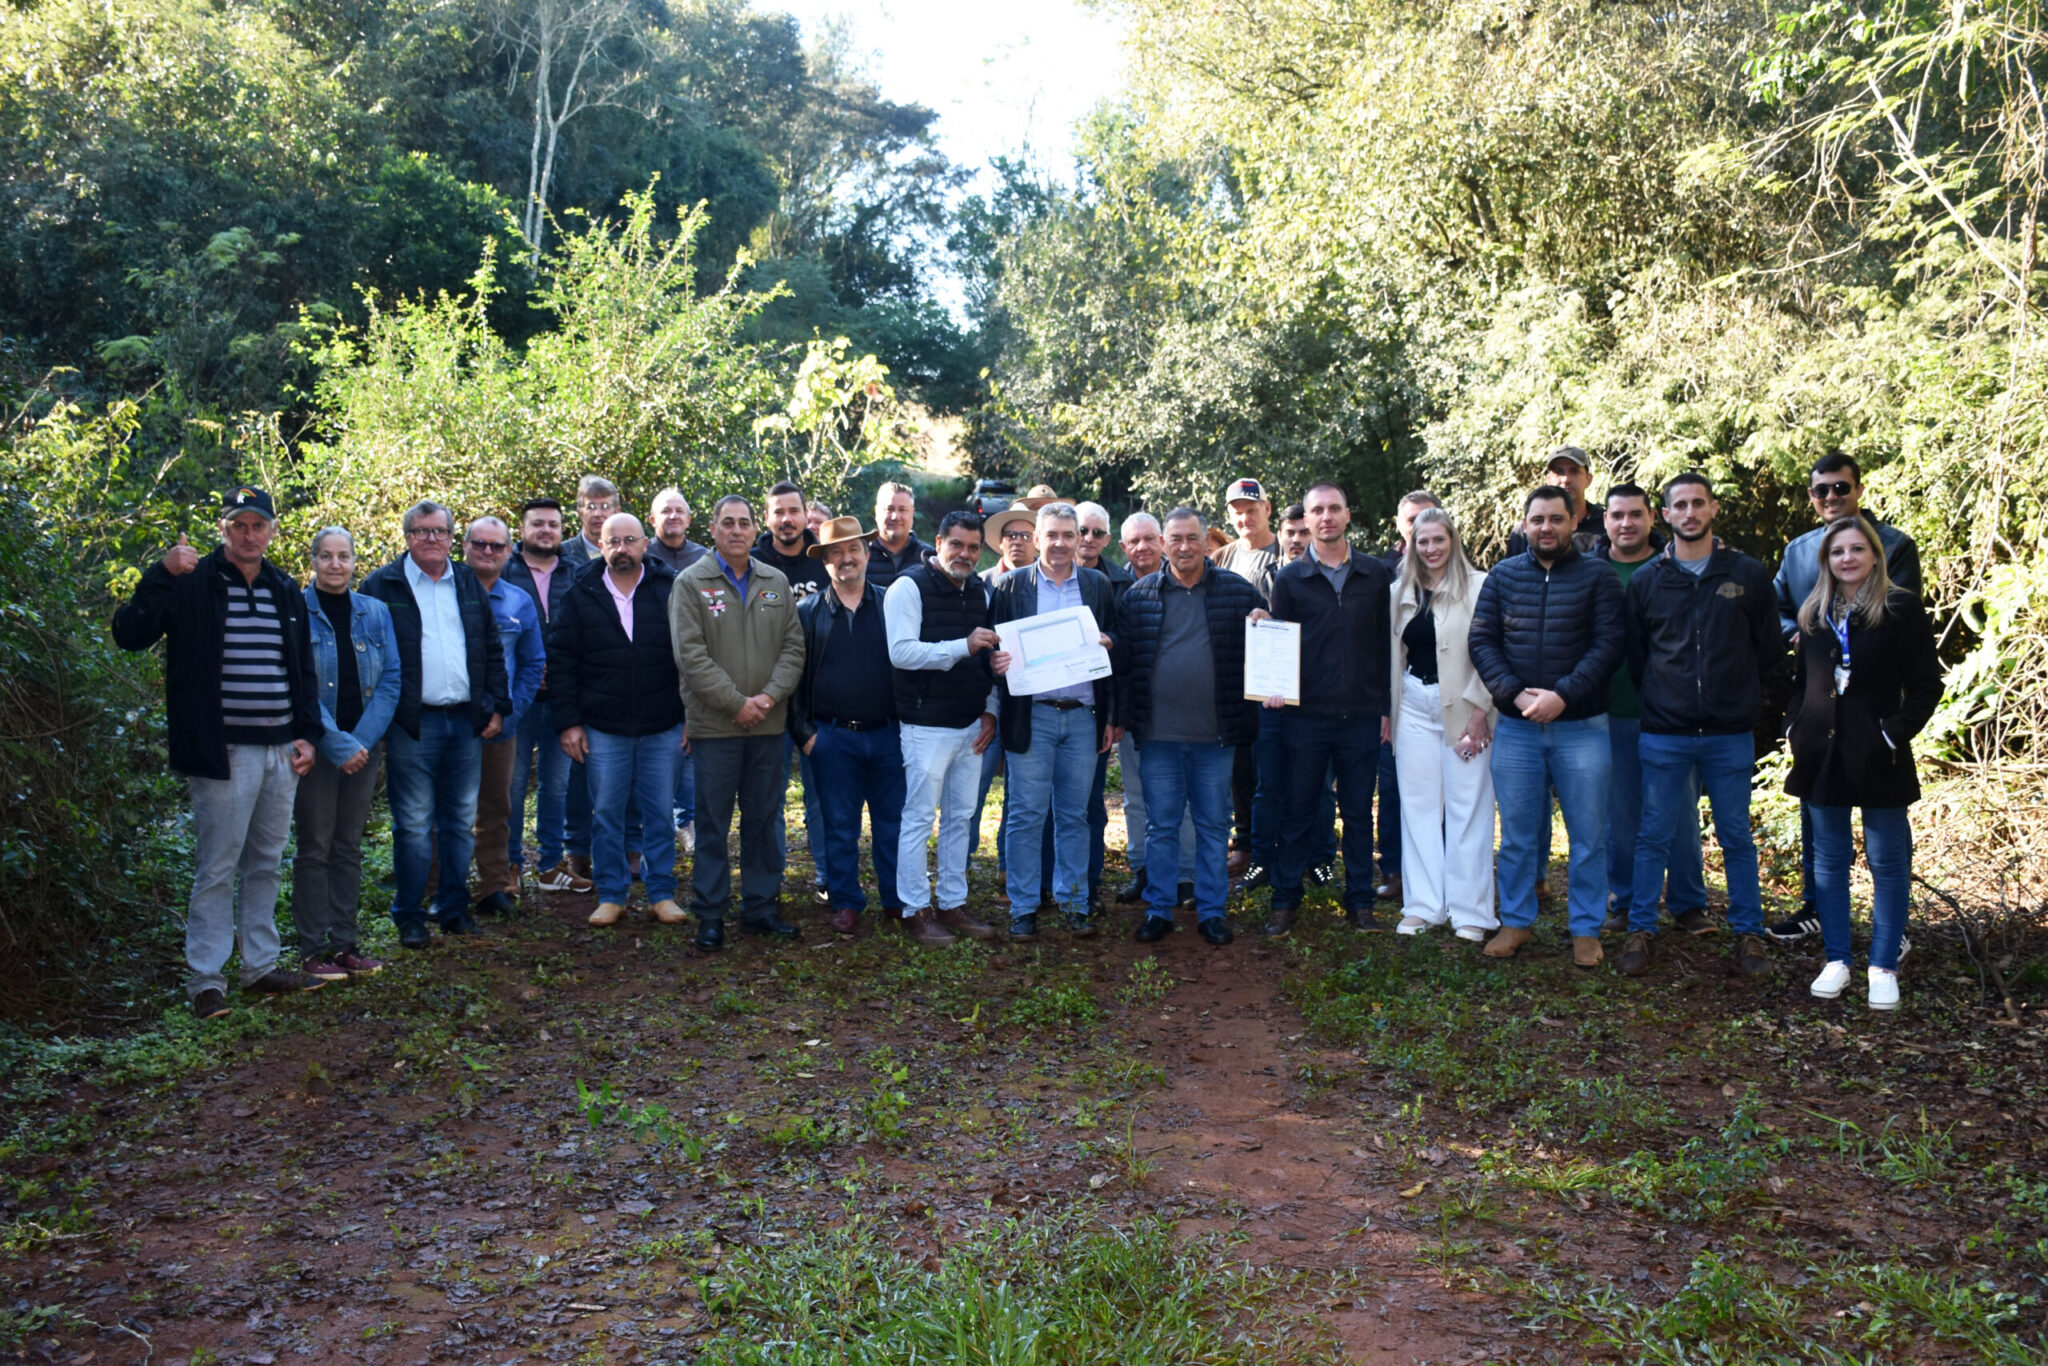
(247, 499)
(1571, 453)
(1245, 491)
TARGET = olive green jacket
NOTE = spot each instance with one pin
(728, 650)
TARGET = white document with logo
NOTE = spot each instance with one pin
(1272, 660)
(1053, 650)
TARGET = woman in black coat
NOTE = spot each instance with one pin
(1868, 681)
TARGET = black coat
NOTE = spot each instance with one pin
(485, 653)
(1840, 754)
(1230, 599)
(1560, 628)
(1345, 645)
(189, 613)
(600, 680)
(1701, 646)
(1014, 596)
(818, 613)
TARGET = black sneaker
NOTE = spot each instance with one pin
(210, 1004)
(1133, 891)
(1081, 926)
(1323, 874)
(1615, 923)
(1024, 926)
(1155, 928)
(1255, 877)
(1216, 930)
(1796, 927)
(280, 981)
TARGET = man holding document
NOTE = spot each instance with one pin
(1056, 623)
(1340, 599)
(1187, 630)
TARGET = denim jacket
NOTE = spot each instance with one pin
(376, 647)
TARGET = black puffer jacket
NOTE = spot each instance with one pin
(1701, 645)
(189, 613)
(1856, 748)
(1013, 597)
(600, 680)
(489, 692)
(1559, 628)
(1230, 599)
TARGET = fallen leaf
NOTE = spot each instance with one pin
(1415, 1189)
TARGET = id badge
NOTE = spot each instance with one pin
(1841, 680)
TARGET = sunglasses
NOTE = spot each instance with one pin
(1840, 489)
(475, 544)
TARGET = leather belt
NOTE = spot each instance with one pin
(855, 726)
(1063, 703)
(444, 706)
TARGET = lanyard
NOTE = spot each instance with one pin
(1841, 629)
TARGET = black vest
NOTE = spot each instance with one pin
(955, 697)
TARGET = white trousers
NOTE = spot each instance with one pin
(1446, 817)
(940, 774)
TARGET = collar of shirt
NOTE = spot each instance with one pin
(624, 600)
(423, 582)
(740, 579)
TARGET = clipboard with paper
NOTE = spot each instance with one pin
(1053, 650)
(1272, 660)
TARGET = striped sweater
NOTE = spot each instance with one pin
(255, 694)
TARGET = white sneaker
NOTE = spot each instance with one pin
(1832, 979)
(1411, 924)
(1472, 934)
(1884, 989)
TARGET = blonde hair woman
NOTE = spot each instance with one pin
(1443, 724)
(1868, 679)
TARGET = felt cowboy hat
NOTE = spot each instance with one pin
(836, 531)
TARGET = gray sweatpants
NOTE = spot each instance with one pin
(240, 824)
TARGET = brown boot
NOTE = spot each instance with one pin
(607, 913)
(923, 928)
(1586, 950)
(667, 912)
(962, 924)
(1504, 944)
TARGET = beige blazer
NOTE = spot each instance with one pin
(1457, 680)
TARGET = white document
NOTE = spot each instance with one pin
(1053, 650)
(1272, 660)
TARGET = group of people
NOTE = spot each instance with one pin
(646, 688)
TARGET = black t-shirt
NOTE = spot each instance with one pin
(348, 683)
(854, 683)
(1419, 639)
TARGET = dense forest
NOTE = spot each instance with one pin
(368, 250)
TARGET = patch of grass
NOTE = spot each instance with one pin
(1054, 1007)
(1597, 1110)
(1148, 984)
(1043, 1289)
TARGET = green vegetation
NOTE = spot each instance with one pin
(1039, 1289)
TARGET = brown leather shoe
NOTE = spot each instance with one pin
(962, 925)
(1280, 921)
(607, 913)
(1504, 944)
(1636, 954)
(1586, 950)
(667, 912)
(923, 928)
(1239, 860)
(846, 921)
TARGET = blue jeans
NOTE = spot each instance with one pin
(1676, 768)
(1269, 800)
(686, 793)
(1685, 881)
(432, 785)
(540, 748)
(1888, 849)
(1389, 813)
(814, 819)
(1049, 783)
(1179, 775)
(1313, 746)
(1571, 758)
(626, 771)
(856, 769)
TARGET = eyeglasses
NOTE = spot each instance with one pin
(621, 542)
(1840, 489)
(475, 544)
(1016, 535)
(431, 533)
(1095, 531)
